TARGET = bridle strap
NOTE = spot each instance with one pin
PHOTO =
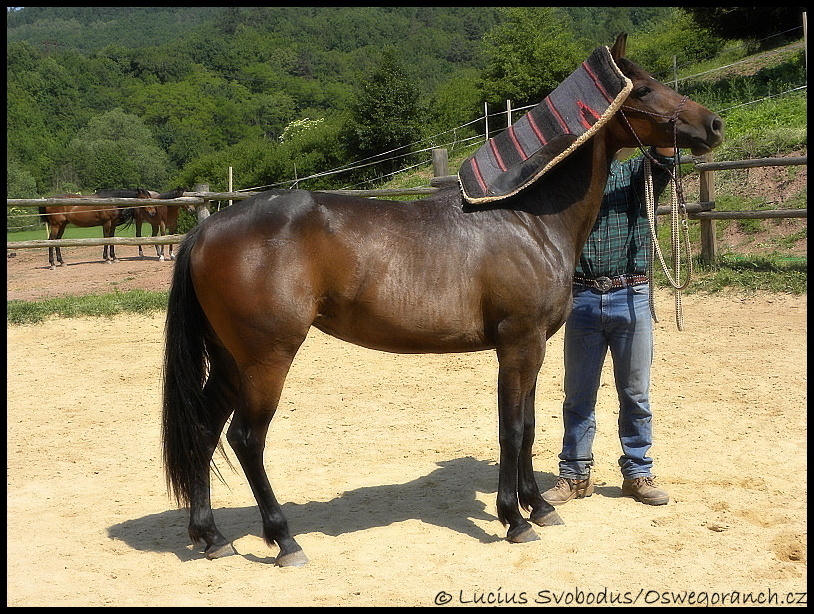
(673, 119)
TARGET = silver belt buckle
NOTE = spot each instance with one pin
(603, 284)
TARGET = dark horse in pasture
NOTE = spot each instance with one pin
(57, 218)
(162, 218)
(429, 276)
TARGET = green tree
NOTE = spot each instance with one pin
(746, 22)
(313, 147)
(205, 112)
(528, 55)
(116, 150)
(676, 37)
(455, 102)
(19, 182)
(386, 115)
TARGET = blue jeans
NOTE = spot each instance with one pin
(620, 320)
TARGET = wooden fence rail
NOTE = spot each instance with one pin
(703, 211)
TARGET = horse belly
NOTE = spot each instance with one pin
(399, 314)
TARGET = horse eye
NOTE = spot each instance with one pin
(643, 91)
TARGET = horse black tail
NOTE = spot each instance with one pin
(185, 424)
(126, 216)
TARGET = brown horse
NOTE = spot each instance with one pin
(427, 276)
(57, 218)
(162, 218)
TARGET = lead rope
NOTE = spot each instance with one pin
(678, 220)
(678, 209)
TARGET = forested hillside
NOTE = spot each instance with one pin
(101, 97)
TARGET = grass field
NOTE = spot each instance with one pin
(72, 232)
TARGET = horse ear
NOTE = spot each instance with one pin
(619, 47)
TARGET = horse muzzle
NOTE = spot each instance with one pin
(713, 136)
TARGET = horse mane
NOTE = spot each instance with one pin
(174, 193)
(137, 193)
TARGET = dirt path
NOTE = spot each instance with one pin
(387, 467)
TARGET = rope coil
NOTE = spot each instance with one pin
(678, 221)
(678, 210)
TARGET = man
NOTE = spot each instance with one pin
(611, 310)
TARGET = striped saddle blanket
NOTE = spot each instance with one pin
(566, 118)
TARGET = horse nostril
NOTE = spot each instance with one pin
(717, 126)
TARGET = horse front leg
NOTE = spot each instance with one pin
(542, 512)
(511, 437)
(160, 229)
(520, 356)
(138, 236)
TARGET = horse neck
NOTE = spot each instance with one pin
(571, 204)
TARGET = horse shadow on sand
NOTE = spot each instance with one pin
(446, 497)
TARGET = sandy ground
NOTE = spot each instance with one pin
(386, 465)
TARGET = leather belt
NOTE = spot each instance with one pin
(603, 284)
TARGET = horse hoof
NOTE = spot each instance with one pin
(292, 559)
(524, 536)
(221, 551)
(550, 519)
(52, 267)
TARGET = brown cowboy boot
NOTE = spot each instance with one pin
(567, 488)
(644, 490)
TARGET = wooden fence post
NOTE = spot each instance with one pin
(709, 250)
(440, 162)
(202, 211)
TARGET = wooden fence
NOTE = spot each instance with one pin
(704, 210)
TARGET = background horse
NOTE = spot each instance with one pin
(428, 276)
(162, 218)
(57, 218)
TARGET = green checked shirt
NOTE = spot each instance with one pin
(619, 242)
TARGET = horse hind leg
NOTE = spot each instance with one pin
(55, 233)
(108, 255)
(220, 393)
(261, 386)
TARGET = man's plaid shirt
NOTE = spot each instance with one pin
(619, 242)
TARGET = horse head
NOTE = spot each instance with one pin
(658, 115)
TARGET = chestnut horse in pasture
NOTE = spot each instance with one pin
(162, 218)
(57, 218)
